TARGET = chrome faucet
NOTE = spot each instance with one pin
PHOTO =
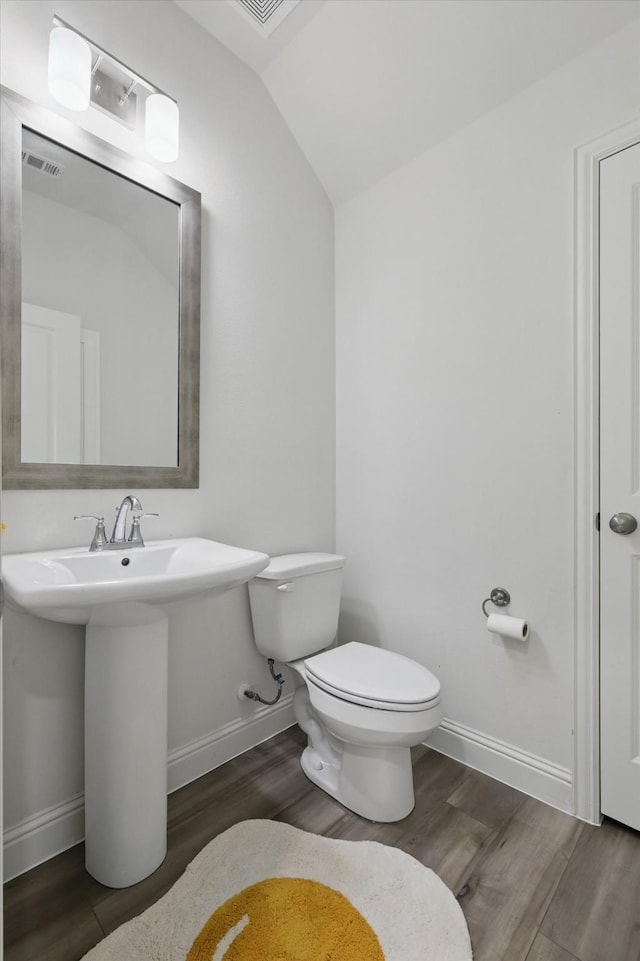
(130, 502)
(117, 541)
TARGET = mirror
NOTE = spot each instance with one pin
(100, 312)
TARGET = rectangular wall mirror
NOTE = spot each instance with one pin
(100, 312)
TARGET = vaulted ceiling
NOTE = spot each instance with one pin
(366, 85)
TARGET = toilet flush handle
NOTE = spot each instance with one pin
(288, 587)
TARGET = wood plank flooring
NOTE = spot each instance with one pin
(535, 884)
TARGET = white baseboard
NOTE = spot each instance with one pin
(526, 772)
(43, 835)
(206, 753)
(49, 832)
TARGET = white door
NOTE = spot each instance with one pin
(620, 485)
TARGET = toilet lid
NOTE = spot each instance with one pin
(374, 677)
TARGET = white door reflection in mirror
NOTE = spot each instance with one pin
(60, 372)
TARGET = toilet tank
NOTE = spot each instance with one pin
(295, 603)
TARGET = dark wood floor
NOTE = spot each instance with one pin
(534, 884)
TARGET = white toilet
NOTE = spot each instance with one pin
(361, 707)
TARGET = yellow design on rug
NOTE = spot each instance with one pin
(286, 918)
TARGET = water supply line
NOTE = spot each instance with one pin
(278, 678)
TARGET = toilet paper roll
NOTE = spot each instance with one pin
(508, 626)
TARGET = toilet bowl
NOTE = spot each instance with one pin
(361, 707)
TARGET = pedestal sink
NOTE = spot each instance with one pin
(118, 595)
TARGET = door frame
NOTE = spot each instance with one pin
(586, 758)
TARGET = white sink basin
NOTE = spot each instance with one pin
(67, 585)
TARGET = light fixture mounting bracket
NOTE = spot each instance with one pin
(110, 94)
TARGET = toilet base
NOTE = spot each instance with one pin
(375, 783)
(372, 781)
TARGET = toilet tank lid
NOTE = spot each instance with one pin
(286, 566)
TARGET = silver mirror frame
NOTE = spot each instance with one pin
(16, 113)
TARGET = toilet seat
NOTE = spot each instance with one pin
(373, 677)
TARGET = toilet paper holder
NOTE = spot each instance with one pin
(500, 596)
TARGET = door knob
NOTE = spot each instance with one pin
(623, 523)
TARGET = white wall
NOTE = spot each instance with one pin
(455, 413)
(267, 396)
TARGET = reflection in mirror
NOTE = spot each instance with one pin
(100, 281)
(100, 321)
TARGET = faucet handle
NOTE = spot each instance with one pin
(99, 540)
(135, 535)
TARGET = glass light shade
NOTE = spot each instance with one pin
(69, 69)
(162, 120)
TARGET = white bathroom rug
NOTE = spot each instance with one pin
(265, 891)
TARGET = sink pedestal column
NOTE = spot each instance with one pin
(125, 743)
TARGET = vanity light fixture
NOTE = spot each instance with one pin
(69, 68)
(82, 74)
(161, 127)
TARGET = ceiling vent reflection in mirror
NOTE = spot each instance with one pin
(44, 166)
(265, 15)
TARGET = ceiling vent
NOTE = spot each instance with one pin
(265, 15)
(35, 162)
